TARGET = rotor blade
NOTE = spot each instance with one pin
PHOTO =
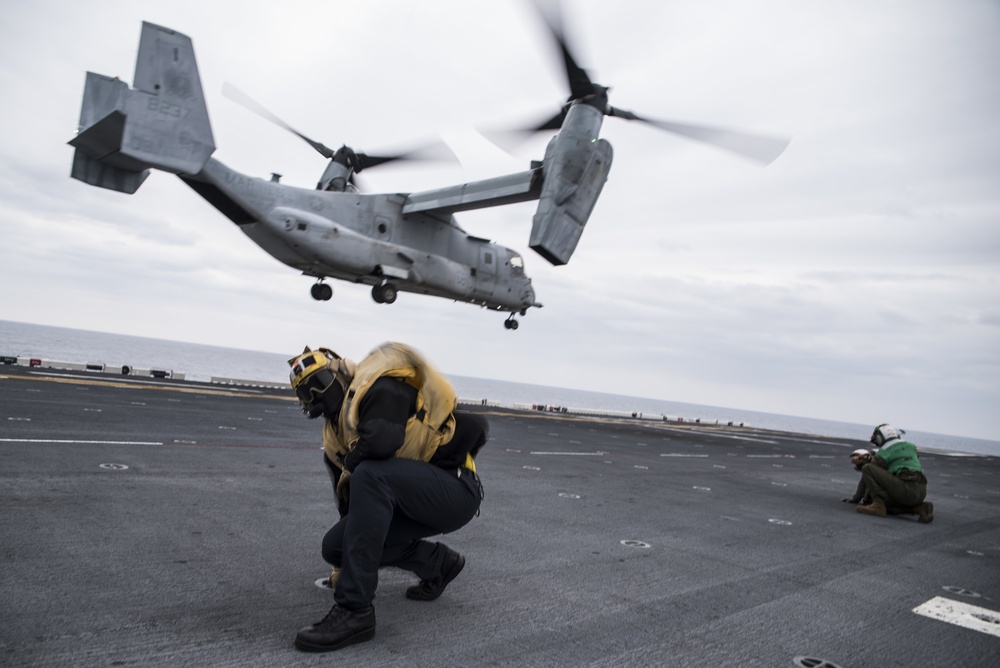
(437, 150)
(579, 81)
(511, 139)
(756, 147)
(553, 123)
(238, 96)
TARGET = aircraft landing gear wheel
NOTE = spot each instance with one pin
(510, 323)
(321, 292)
(384, 293)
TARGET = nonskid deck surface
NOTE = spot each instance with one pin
(164, 523)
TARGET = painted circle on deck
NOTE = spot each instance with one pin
(567, 495)
(813, 662)
(962, 592)
(784, 523)
(531, 468)
(635, 543)
(114, 467)
(323, 583)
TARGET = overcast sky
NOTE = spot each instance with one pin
(854, 279)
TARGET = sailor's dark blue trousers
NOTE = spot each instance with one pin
(394, 505)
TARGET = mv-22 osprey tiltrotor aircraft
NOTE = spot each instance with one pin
(393, 242)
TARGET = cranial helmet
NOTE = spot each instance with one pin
(314, 374)
(885, 433)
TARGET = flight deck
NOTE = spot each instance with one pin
(161, 522)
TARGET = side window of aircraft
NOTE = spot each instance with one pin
(516, 263)
(488, 258)
(302, 226)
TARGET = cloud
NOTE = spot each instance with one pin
(852, 278)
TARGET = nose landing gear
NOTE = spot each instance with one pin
(510, 323)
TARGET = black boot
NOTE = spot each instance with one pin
(341, 627)
(428, 590)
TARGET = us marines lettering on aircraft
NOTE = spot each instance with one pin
(408, 242)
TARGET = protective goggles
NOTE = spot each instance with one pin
(316, 383)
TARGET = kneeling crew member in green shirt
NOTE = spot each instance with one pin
(894, 478)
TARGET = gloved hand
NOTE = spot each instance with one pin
(344, 488)
(351, 460)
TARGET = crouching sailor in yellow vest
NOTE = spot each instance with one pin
(894, 479)
(401, 460)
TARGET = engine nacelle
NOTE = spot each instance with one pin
(576, 166)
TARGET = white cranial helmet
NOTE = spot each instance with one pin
(885, 433)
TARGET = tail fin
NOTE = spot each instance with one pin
(161, 123)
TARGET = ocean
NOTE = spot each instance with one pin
(201, 362)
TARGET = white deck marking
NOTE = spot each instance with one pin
(53, 440)
(679, 454)
(746, 438)
(961, 614)
(573, 454)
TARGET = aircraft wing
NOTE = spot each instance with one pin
(510, 189)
